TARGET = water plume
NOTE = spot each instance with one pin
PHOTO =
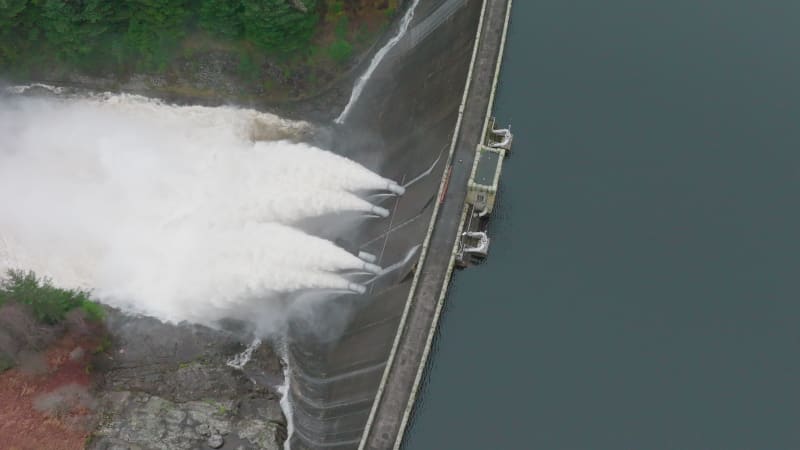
(179, 212)
(405, 21)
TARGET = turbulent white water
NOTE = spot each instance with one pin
(376, 60)
(175, 212)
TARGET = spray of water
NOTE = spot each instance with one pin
(376, 60)
(286, 398)
(176, 212)
(288, 409)
(240, 360)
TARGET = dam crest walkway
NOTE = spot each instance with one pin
(398, 389)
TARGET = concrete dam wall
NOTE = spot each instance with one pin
(404, 126)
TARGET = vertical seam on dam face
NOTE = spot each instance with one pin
(385, 425)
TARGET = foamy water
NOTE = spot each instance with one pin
(176, 212)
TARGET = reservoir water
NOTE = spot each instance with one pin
(642, 287)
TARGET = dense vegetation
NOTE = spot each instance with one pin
(49, 304)
(142, 34)
(259, 52)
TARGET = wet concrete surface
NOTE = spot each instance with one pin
(400, 384)
(401, 127)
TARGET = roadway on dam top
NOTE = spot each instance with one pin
(385, 428)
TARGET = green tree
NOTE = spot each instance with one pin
(277, 26)
(72, 30)
(13, 35)
(49, 304)
(154, 30)
(340, 50)
(9, 13)
(222, 18)
(144, 34)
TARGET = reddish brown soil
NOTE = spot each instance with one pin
(22, 426)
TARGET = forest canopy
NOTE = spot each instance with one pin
(143, 34)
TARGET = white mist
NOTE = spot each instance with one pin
(175, 212)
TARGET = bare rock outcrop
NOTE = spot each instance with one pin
(169, 387)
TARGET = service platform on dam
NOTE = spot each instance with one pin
(468, 188)
(482, 188)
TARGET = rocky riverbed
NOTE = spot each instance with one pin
(135, 384)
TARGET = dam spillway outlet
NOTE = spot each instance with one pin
(367, 257)
(380, 212)
(357, 288)
(372, 268)
(396, 189)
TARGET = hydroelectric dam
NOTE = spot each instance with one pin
(421, 115)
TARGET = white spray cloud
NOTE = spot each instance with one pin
(170, 211)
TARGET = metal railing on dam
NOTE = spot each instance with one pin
(400, 382)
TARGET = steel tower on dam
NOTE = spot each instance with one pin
(403, 126)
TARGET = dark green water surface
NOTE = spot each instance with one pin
(643, 285)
